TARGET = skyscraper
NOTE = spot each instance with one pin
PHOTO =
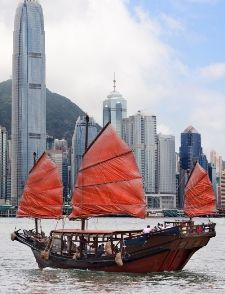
(190, 152)
(139, 132)
(28, 92)
(115, 109)
(3, 163)
(166, 171)
(191, 149)
(78, 144)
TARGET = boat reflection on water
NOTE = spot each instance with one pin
(109, 183)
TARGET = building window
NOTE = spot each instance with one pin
(34, 86)
(35, 55)
(34, 136)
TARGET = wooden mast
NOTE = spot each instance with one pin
(85, 149)
(36, 219)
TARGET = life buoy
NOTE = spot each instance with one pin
(199, 229)
(13, 236)
(45, 255)
(108, 248)
(118, 259)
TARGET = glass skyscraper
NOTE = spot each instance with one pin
(191, 149)
(115, 110)
(78, 144)
(28, 92)
(190, 153)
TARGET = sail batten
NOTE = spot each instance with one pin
(108, 181)
(43, 193)
(199, 194)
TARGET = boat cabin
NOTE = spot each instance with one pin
(90, 243)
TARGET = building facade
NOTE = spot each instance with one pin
(115, 110)
(78, 144)
(139, 132)
(191, 149)
(222, 190)
(28, 92)
(190, 152)
(166, 171)
(3, 162)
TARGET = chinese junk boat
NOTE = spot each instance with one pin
(109, 183)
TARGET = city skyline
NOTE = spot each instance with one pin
(178, 89)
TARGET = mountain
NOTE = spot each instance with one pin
(60, 111)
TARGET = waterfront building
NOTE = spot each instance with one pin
(49, 142)
(191, 149)
(222, 190)
(190, 153)
(78, 144)
(139, 132)
(213, 178)
(3, 162)
(57, 157)
(28, 92)
(61, 145)
(216, 160)
(115, 109)
(166, 171)
(9, 170)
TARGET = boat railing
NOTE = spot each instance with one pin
(191, 229)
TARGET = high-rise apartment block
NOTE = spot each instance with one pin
(28, 92)
(222, 190)
(3, 163)
(115, 110)
(166, 171)
(78, 144)
(139, 132)
(216, 160)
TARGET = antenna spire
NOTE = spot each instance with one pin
(114, 83)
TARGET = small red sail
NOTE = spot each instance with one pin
(199, 194)
(109, 181)
(43, 193)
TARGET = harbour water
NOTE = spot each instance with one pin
(19, 273)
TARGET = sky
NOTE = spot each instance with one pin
(168, 56)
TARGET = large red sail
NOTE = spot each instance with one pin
(43, 192)
(199, 195)
(109, 181)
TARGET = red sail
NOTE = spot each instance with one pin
(199, 194)
(109, 181)
(43, 192)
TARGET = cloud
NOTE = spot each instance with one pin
(213, 71)
(172, 24)
(88, 40)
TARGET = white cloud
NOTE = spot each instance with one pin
(172, 24)
(164, 129)
(88, 40)
(213, 71)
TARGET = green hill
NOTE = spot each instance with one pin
(61, 112)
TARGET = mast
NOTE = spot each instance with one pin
(36, 219)
(86, 147)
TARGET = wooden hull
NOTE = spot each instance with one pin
(162, 252)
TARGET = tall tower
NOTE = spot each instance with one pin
(28, 92)
(166, 171)
(190, 152)
(78, 144)
(139, 132)
(3, 163)
(114, 109)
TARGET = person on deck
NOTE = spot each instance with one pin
(147, 230)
